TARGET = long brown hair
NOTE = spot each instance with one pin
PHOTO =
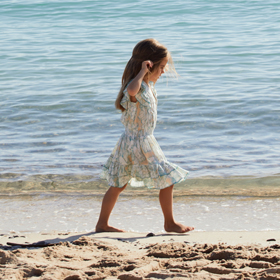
(148, 49)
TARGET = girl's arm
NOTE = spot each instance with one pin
(134, 87)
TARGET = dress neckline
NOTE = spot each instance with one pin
(150, 84)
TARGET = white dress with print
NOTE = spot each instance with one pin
(137, 158)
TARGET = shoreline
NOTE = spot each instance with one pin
(135, 256)
(266, 185)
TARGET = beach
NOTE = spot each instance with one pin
(136, 256)
(61, 64)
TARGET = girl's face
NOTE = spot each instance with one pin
(158, 71)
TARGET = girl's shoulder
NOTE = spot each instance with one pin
(143, 96)
(144, 86)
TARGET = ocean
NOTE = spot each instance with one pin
(61, 64)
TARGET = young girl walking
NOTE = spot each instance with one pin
(137, 158)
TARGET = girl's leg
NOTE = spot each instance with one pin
(109, 200)
(166, 203)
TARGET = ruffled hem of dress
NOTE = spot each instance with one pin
(169, 174)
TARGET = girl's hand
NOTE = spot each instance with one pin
(146, 65)
(134, 86)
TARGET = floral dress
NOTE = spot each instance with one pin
(137, 158)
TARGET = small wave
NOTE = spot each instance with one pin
(11, 184)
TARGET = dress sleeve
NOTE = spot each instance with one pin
(142, 96)
(125, 100)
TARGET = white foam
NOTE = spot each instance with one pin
(80, 213)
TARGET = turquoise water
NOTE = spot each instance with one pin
(61, 64)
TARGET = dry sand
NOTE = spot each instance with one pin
(133, 256)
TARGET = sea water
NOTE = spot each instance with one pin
(61, 64)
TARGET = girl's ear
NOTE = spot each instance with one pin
(150, 67)
(153, 67)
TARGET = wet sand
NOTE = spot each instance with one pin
(135, 256)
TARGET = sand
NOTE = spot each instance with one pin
(134, 256)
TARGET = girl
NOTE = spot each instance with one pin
(137, 159)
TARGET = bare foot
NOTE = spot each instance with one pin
(177, 227)
(107, 229)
